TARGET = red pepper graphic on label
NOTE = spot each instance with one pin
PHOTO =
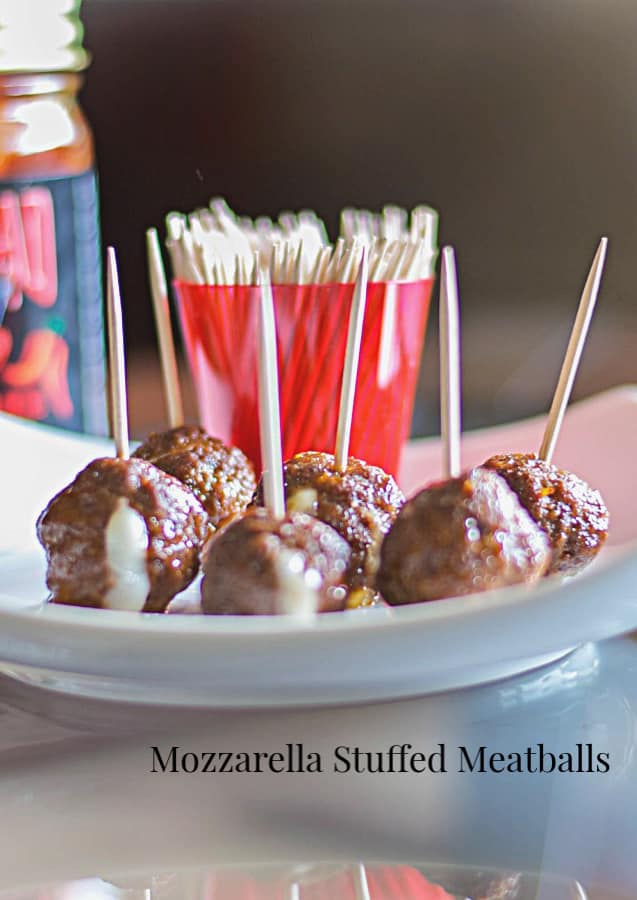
(37, 383)
(27, 246)
(6, 343)
(33, 374)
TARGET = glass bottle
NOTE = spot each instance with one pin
(51, 320)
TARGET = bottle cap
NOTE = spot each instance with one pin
(41, 36)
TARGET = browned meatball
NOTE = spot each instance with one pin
(360, 503)
(220, 477)
(124, 534)
(458, 537)
(571, 513)
(260, 565)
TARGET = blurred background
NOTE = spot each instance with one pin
(514, 118)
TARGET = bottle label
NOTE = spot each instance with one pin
(51, 316)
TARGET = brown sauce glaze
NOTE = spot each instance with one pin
(220, 477)
(572, 514)
(72, 530)
(255, 564)
(461, 536)
(360, 503)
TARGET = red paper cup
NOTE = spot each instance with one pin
(383, 882)
(219, 326)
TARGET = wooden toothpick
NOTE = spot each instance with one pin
(350, 370)
(168, 359)
(361, 886)
(450, 377)
(269, 412)
(573, 353)
(116, 357)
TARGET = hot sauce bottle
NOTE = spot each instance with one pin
(51, 333)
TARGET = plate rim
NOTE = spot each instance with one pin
(511, 596)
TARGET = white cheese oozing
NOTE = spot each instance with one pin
(305, 500)
(298, 586)
(126, 546)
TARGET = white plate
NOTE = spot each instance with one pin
(342, 657)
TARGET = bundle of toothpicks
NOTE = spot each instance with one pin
(216, 247)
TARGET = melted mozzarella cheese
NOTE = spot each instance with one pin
(305, 500)
(126, 546)
(298, 587)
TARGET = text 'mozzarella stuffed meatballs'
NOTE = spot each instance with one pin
(122, 535)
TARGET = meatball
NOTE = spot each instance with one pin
(360, 503)
(123, 535)
(260, 565)
(458, 537)
(571, 513)
(220, 477)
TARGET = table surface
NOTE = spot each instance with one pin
(78, 797)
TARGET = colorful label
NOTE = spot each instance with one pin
(51, 317)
